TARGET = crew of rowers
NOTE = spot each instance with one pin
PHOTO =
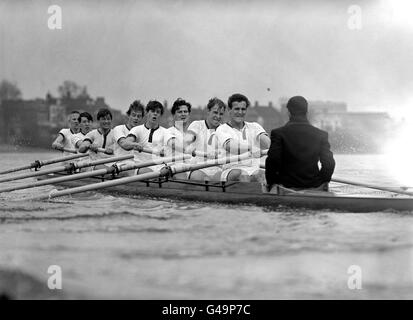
(293, 157)
(204, 139)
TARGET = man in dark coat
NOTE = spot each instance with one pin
(296, 148)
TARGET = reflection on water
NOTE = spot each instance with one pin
(121, 247)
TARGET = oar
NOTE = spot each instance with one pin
(372, 186)
(164, 172)
(68, 167)
(366, 185)
(75, 151)
(110, 170)
(67, 150)
(39, 163)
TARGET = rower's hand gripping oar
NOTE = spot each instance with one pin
(164, 172)
(39, 163)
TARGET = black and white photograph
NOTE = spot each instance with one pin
(206, 150)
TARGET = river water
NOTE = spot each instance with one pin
(137, 248)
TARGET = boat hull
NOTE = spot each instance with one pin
(247, 193)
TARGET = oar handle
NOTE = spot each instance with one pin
(105, 151)
(102, 161)
(161, 153)
(68, 150)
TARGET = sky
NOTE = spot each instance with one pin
(127, 50)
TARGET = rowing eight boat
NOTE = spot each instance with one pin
(249, 193)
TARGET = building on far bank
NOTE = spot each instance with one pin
(37, 122)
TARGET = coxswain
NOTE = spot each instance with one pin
(296, 150)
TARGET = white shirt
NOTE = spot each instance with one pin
(67, 143)
(120, 132)
(249, 134)
(205, 138)
(178, 135)
(102, 141)
(149, 138)
(80, 136)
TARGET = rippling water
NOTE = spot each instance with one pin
(132, 247)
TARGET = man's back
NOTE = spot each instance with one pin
(293, 157)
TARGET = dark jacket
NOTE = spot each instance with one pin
(293, 157)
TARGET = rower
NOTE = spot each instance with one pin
(238, 136)
(135, 115)
(64, 138)
(295, 151)
(149, 135)
(85, 126)
(204, 140)
(180, 111)
(102, 137)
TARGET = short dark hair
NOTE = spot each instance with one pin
(237, 97)
(180, 102)
(136, 106)
(297, 105)
(153, 105)
(103, 113)
(74, 111)
(215, 101)
(86, 115)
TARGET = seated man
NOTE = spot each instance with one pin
(296, 148)
(135, 115)
(100, 141)
(64, 140)
(150, 136)
(181, 111)
(204, 141)
(237, 137)
(85, 125)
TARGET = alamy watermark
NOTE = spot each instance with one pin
(355, 21)
(55, 19)
(354, 281)
(54, 282)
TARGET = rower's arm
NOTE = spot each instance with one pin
(265, 141)
(129, 143)
(123, 143)
(84, 146)
(58, 143)
(234, 147)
